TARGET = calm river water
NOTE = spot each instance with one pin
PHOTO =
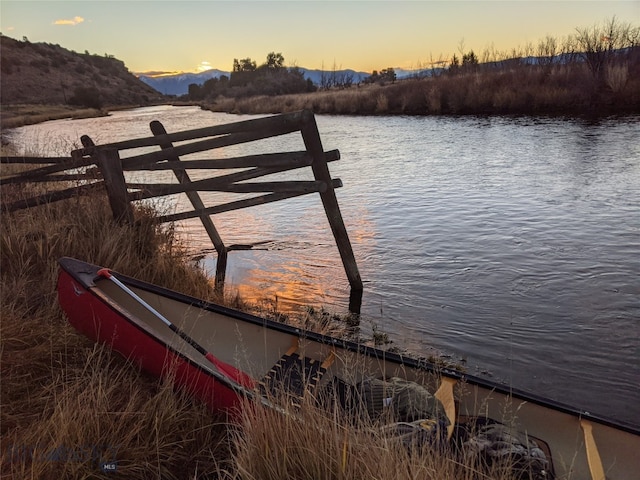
(511, 243)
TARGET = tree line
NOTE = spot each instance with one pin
(247, 79)
(603, 48)
(271, 78)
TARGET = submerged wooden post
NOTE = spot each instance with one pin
(183, 177)
(312, 141)
(111, 168)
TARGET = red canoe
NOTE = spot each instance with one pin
(222, 356)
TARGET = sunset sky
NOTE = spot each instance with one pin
(362, 35)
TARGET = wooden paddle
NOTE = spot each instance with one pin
(232, 373)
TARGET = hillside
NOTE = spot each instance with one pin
(42, 73)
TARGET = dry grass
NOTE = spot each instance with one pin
(323, 443)
(68, 405)
(617, 77)
(353, 101)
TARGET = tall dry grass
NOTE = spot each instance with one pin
(67, 406)
(617, 77)
(353, 101)
(320, 442)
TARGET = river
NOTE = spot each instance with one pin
(510, 243)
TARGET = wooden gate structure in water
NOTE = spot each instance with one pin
(173, 147)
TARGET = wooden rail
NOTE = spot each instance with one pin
(170, 153)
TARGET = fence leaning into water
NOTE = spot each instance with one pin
(101, 166)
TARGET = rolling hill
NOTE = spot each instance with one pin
(42, 73)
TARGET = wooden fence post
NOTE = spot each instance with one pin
(111, 169)
(312, 141)
(110, 166)
(183, 177)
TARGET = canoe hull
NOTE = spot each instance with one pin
(109, 324)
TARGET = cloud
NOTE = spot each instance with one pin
(203, 67)
(74, 21)
(158, 73)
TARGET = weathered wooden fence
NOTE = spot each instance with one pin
(173, 147)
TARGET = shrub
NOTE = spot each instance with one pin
(86, 97)
(6, 65)
(617, 76)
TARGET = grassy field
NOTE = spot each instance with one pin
(70, 408)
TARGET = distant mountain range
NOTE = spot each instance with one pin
(178, 84)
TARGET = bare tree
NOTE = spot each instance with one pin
(325, 83)
(603, 45)
(547, 50)
(461, 46)
(348, 79)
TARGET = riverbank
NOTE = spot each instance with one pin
(553, 90)
(13, 116)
